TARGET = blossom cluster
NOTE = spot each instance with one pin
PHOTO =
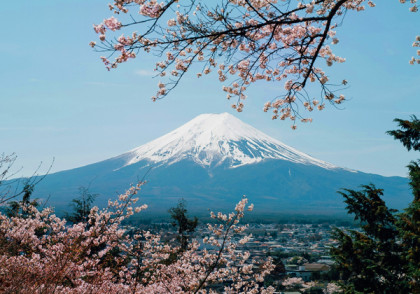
(281, 41)
(416, 43)
(42, 253)
(299, 284)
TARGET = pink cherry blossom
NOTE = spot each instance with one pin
(262, 42)
(112, 23)
(41, 253)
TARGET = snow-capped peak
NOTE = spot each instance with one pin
(211, 139)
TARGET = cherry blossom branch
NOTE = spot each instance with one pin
(251, 40)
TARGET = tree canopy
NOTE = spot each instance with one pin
(384, 255)
(185, 225)
(245, 41)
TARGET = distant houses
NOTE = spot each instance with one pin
(306, 271)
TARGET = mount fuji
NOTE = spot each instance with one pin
(211, 161)
(211, 140)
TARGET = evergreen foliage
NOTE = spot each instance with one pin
(16, 208)
(409, 134)
(81, 206)
(185, 225)
(384, 255)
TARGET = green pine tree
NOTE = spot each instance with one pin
(81, 206)
(185, 225)
(384, 255)
(409, 220)
(19, 208)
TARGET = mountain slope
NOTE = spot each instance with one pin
(212, 161)
(211, 139)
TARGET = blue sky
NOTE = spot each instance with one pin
(58, 101)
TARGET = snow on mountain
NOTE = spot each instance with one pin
(213, 139)
(237, 160)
